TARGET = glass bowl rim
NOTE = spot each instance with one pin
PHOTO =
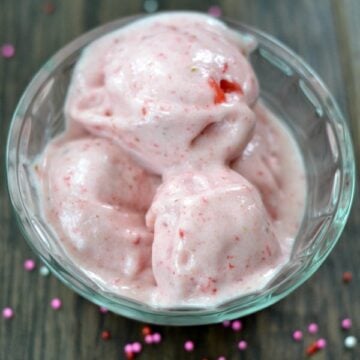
(191, 316)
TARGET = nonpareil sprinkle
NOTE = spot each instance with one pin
(8, 313)
(346, 323)
(347, 277)
(313, 328)
(7, 51)
(106, 335)
(297, 335)
(56, 303)
(189, 345)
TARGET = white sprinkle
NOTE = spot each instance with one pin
(150, 6)
(350, 342)
(44, 271)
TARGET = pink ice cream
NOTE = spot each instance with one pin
(190, 213)
(271, 163)
(156, 85)
(93, 219)
(172, 184)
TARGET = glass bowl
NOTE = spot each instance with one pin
(289, 87)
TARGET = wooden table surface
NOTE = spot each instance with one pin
(326, 34)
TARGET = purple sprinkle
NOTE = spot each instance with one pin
(189, 345)
(313, 328)
(103, 309)
(136, 347)
(156, 338)
(8, 313)
(242, 345)
(236, 325)
(149, 339)
(7, 51)
(346, 324)
(297, 335)
(321, 343)
(29, 265)
(56, 303)
(215, 11)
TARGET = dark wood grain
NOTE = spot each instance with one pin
(325, 33)
(346, 16)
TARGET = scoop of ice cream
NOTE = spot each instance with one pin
(96, 169)
(274, 172)
(157, 86)
(211, 233)
(95, 199)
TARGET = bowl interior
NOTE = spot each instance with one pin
(289, 88)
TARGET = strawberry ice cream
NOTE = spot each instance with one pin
(101, 226)
(190, 213)
(172, 183)
(156, 85)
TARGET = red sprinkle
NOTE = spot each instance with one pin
(130, 356)
(129, 352)
(49, 8)
(312, 349)
(181, 233)
(347, 277)
(146, 330)
(106, 335)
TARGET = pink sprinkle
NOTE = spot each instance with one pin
(321, 343)
(56, 303)
(226, 323)
(346, 324)
(242, 345)
(128, 348)
(149, 339)
(156, 338)
(215, 11)
(236, 325)
(221, 358)
(29, 265)
(313, 328)
(297, 335)
(189, 345)
(103, 309)
(136, 347)
(8, 51)
(8, 313)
